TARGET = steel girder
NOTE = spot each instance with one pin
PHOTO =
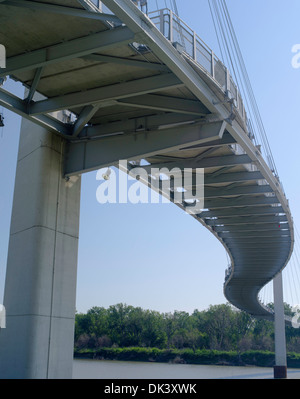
(101, 41)
(91, 155)
(63, 10)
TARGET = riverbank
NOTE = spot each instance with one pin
(188, 356)
(167, 372)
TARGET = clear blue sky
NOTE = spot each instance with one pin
(156, 256)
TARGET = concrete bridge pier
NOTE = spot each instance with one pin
(40, 289)
(280, 368)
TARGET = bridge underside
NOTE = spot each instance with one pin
(130, 94)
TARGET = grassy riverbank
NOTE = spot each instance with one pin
(187, 356)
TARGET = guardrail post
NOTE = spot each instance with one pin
(227, 80)
(171, 27)
(213, 65)
(237, 98)
(161, 22)
(194, 45)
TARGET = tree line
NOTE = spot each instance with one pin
(220, 327)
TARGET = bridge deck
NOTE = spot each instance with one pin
(121, 80)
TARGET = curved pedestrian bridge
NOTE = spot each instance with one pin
(118, 84)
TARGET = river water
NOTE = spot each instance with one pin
(111, 369)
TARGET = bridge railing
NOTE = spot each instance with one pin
(188, 42)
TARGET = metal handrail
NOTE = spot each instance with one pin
(188, 42)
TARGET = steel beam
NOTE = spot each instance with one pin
(252, 227)
(238, 259)
(231, 177)
(101, 41)
(247, 211)
(221, 161)
(107, 93)
(62, 10)
(271, 250)
(165, 103)
(85, 156)
(227, 139)
(34, 84)
(258, 269)
(239, 202)
(248, 246)
(257, 240)
(250, 243)
(259, 258)
(151, 122)
(250, 252)
(217, 192)
(257, 261)
(85, 116)
(89, 5)
(274, 260)
(224, 177)
(267, 233)
(238, 220)
(263, 252)
(18, 106)
(126, 61)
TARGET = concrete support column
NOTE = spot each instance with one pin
(280, 369)
(40, 288)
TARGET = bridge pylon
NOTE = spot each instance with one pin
(280, 368)
(40, 289)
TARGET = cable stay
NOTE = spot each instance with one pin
(232, 57)
(291, 280)
(159, 4)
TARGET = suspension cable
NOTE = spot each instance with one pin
(215, 27)
(226, 35)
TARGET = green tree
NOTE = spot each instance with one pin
(219, 327)
(219, 320)
(98, 323)
(153, 332)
